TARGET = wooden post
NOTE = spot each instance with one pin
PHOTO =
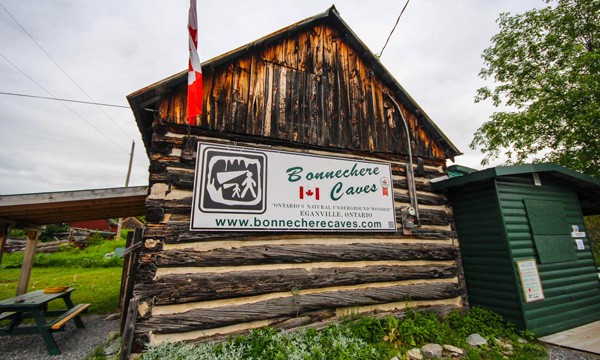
(132, 257)
(28, 258)
(3, 238)
(120, 223)
(125, 273)
(128, 333)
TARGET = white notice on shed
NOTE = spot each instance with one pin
(530, 280)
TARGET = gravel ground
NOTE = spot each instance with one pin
(73, 343)
(560, 353)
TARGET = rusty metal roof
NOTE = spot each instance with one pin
(147, 96)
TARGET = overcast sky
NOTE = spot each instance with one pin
(113, 48)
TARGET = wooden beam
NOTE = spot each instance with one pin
(28, 258)
(3, 237)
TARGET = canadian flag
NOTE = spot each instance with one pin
(309, 193)
(194, 94)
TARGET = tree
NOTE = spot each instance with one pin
(545, 67)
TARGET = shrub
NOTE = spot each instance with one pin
(362, 338)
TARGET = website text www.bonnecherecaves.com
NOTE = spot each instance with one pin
(297, 224)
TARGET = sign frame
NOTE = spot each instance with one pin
(205, 176)
(530, 280)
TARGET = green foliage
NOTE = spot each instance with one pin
(545, 65)
(592, 224)
(90, 257)
(333, 342)
(52, 229)
(17, 233)
(362, 338)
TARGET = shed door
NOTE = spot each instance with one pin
(550, 231)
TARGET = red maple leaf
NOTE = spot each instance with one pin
(309, 192)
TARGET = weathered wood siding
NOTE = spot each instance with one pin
(194, 285)
(309, 88)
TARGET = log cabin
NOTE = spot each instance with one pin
(312, 90)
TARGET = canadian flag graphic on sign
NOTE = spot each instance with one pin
(306, 193)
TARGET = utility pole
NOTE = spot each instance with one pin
(120, 225)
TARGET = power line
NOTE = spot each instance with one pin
(63, 104)
(67, 100)
(394, 28)
(64, 71)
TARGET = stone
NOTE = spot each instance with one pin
(522, 341)
(113, 347)
(453, 350)
(476, 340)
(414, 354)
(395, 358)
(432, 351)
(112, 335)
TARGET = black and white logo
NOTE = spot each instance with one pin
(233, 181)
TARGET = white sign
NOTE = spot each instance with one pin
(530, 280)
(250, 189)
(580, 244)
(578, 234)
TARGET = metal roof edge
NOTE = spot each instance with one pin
(515, 170)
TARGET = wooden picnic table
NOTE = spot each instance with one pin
(35, 305)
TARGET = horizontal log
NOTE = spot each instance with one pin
(430, 217)
(183, 288)
(281, 254)
(427, 173)
(320, 319)
(422, 199)
(176, 233)
(230, 138)
(203, 319)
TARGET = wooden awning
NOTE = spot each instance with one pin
(66, 206)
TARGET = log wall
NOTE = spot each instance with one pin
(198, 285)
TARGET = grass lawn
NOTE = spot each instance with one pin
(97, 286)
(97, 279)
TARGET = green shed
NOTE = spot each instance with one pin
(524, 245)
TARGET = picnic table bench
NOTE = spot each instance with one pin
(35, 305)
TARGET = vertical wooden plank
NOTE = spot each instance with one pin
(125, 273)
(268, 103)
(208, 82)
(304, 108)
(277, 98)
(241, 89)
(369, 110)
(333, 95)
(343, 97)
(283, 118)
(28, 258)
(3, 238)
(354, 102)
(257, 97)
(132, 260)
(129, 328)
(225, 102)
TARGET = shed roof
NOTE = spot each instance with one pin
(143, 98)
(587, 187)
(66, 206)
